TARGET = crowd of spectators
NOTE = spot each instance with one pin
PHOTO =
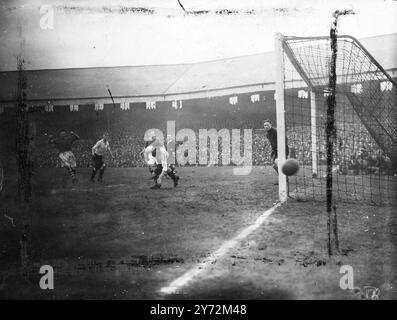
(354, 150)
(358, 155)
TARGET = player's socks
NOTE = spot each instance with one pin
(172, 174)
(100, 174)
(176, 181)
(93, 174)
(101, 171)
(72, 173)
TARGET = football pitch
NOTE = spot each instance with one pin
(215, 236)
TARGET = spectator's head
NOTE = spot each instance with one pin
(105, 136)
(267, 125)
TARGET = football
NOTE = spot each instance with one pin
(290, 167)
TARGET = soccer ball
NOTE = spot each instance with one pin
(290, 167)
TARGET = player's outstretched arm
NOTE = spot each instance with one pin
(146, 153)
(94, 148)
(110, 152)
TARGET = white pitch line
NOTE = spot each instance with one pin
(98, 187)
(115, 185)
(183, 280)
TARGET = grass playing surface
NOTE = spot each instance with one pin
(121, 240)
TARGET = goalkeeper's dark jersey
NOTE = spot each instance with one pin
(64, 143)
(272, 137)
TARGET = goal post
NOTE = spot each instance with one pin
(280, 114)
(365, 144)
(313, 130)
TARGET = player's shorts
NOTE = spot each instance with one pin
(158, 170)
(98, 161)
(68, 159)
(151, 161)
(273, 154)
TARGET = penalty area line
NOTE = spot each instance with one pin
(115, 185)
(97, 187)
(177, 284)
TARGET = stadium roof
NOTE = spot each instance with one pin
(166, 82)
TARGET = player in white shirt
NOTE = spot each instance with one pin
(98, 151)
(151, 161)
(160, 161)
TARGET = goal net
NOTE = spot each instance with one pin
(365, 144)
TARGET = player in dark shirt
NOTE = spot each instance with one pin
(271, 134)
(64, 145)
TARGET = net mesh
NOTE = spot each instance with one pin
(364, 167)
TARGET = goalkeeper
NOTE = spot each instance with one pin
(271, 134)
(64, 145)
